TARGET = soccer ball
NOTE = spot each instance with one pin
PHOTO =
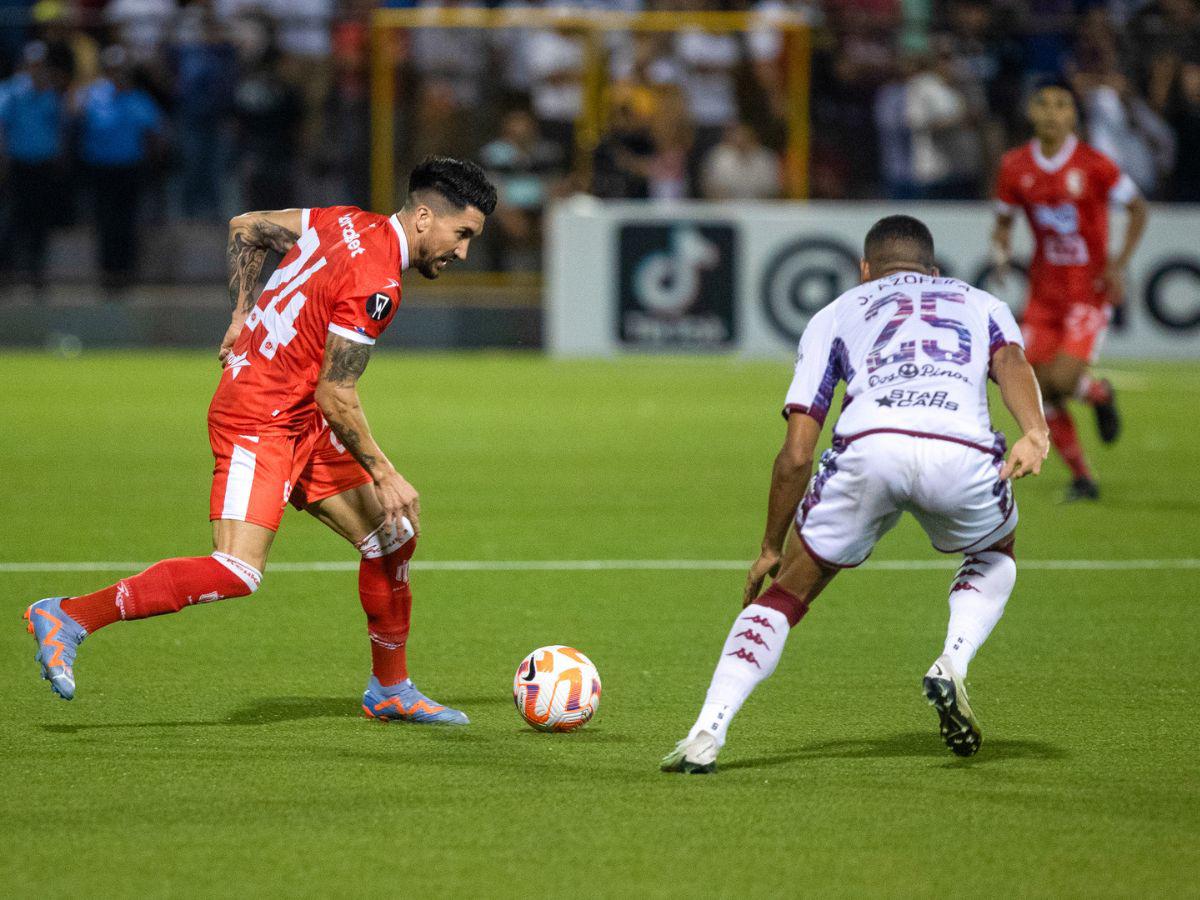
(556, 688)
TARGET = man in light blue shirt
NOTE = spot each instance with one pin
(120, 128)
(33, 132)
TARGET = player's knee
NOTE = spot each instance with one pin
(385, 542)
(247, 578)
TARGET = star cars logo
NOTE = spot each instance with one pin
(903, 399)
(378, 306)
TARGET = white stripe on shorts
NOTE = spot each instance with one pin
(238, 484)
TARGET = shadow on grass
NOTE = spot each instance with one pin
(915, 744)
(266, 711)
(257, 712)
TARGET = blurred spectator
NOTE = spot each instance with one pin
(33, 120)
(269, 115)
(710, 60)
(986, 56)
(741, 168)
(668, 172)
(439, 125)
(1123, 126)
(521, 165)
(204, 66)
(846, 73)
(555, 64)
(120, 128)
(895, 139)
(1120, 123)
(346, 148)
(69, 49)
(620, 161)
(945, 156)
(141, 26)
(1183, 112)
(457, 57)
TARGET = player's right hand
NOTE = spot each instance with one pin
(766, 564)
(1026, 456)
(227, 342)
(398, 498)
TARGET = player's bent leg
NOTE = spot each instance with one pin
(386, 597)
(750, 655)
(978, 595)
(60, 624)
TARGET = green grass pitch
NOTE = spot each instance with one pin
(221, 751)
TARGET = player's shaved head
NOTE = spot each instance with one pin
(445, 183)
(897, 243)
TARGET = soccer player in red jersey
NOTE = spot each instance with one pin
(286, 424)
(1065, 188)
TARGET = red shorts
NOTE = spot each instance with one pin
(255, 475)
(1076, 330)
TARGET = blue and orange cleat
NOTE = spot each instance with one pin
(404, 703)
(58, 637)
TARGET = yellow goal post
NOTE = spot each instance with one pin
(592, 25)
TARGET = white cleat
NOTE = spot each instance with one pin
(693, 756)
(944, 690)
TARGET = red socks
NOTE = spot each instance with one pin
(1094, 391)
(784, 601)
(1066, 441)
(165, 587)
(387, 600)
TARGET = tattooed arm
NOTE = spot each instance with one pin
(251, 235)
(337, 397)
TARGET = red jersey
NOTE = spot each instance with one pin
(1066, 201)
(342, 276)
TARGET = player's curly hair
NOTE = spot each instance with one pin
(899, 234)
(460, 182)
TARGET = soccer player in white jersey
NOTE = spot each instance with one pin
(915, 351)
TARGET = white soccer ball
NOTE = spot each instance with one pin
(556, 688)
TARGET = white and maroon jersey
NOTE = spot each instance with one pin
(342, 276)
(1066, 201)
(915, 352)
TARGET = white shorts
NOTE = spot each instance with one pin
(953, 489)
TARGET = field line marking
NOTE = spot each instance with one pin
(623, 565)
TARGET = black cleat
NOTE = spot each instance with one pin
(1108, 420)
(946, 694)
(1082, 488)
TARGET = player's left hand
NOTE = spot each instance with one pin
(1114, 283)
(235, 328)
(1026, 456)
(766, 564)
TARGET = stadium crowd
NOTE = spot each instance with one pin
(125, 113)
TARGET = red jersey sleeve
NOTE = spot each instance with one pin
(363, 317)
(1007, 199)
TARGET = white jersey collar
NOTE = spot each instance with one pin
(1056, 162)
(402, 238)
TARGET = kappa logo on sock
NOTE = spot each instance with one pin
(747, 655)
(967, 573)
(758, 620)
(964, 586)
(122, 596)
(753, 637)
(402, 572)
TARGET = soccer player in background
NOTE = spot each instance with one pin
(915, 351)
(1065, 188)
(286, 424)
